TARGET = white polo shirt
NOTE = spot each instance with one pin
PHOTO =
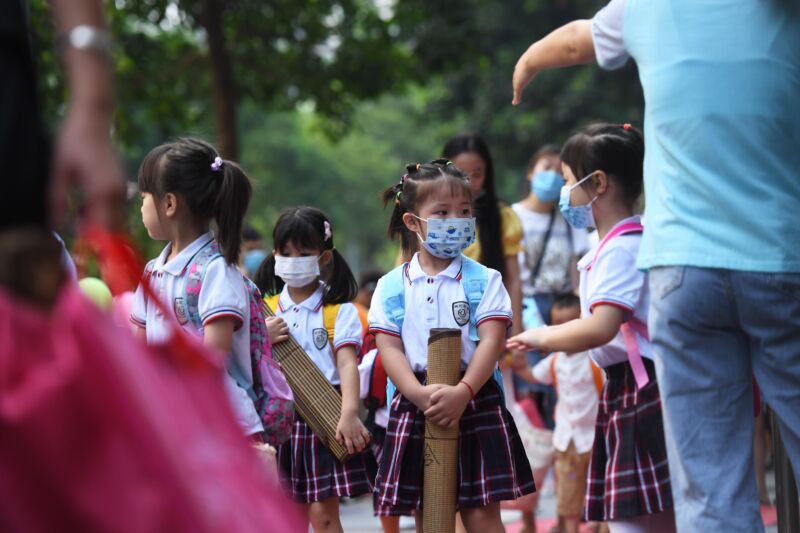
(223, 294)
(615, 280)
(576, 409)
(432, 302)
(306, 326)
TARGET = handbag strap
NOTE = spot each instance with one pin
(540, 260)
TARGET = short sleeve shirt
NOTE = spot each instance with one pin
(438, 301)
(306, 324)
(223, 294)
(607, 35)
(565, 243)
(615, 280)
(576, 409)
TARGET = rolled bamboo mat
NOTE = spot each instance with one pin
(315, 399)
(441, 444)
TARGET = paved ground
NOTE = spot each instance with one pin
(357, 514)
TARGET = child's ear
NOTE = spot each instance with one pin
(170, 204)
(600, 182)
(325, 258)
(411, 222)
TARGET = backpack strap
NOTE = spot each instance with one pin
(272, 302)
(622, 229)
(394, 296)
(629, 331)
(597, 374)
(329, 315)
(474, 278)
(195, 272)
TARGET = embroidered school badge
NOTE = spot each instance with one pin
(180, 311)
(461, 313)
(320, 338)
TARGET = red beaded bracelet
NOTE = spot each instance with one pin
(471, 391)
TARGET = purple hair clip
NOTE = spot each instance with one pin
(328, 233)
(217, 164)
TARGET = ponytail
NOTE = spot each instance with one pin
(213, 189)
(265, 279)
(232, 202)
(341, 285)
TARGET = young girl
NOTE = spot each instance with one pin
(628, 483)
(306, 274)
(433, 204)
(185, 186)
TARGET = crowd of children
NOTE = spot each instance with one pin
(610, 463)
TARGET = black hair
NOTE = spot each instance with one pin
(369, 280)
(545, 150)
(249, 233)
(305, 227)
(213, 189)
(414, 188)
(487, 207)
(616, 149)
(565, 300)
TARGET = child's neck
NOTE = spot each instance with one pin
(533, 203)
(182, 235)
(609, 216)
(301, 294)
(430, 264)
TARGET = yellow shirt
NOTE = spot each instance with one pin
(510, 232)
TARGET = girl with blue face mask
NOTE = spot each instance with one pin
(433, 208)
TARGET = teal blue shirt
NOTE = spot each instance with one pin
(721, 83)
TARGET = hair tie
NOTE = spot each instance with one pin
(217, 164)
(397, 197)
(626, 127)
(328, 233)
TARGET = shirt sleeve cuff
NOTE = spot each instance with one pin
(612, 302)
(138, 321)
(384, 329)
(227, 312)
(502, 317)
(348, 342)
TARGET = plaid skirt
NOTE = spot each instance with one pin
(628, 473)
(492, 463)
(311, 473)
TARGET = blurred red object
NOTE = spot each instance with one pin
(100, 432)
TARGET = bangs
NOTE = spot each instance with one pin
(150, 170)
(574, 154)
(293, 227)
(445, 183)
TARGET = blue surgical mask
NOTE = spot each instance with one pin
(448, 237)
(546, 185)
(252, 260)
(578, 216)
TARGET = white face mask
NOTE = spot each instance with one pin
(297, 271)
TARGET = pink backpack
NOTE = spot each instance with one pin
(274, 399)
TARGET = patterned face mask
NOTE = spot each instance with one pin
(448, 237)
(578, 216)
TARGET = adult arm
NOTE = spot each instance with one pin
(84, 154)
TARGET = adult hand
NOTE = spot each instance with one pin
(85, 157)
(524, 72)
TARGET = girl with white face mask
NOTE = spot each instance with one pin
(305, 278)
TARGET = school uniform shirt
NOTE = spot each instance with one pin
(223, 294)
(615, 280)
(365, 380)
(438, 302)
(565, 242)
(576, 409)
(306, 326)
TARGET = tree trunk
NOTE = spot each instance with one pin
(223, 87)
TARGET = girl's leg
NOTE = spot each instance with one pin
(460, 528)
(390, 524)
(324, 516)
(483, 519)
(528, 522)
(418, 521)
